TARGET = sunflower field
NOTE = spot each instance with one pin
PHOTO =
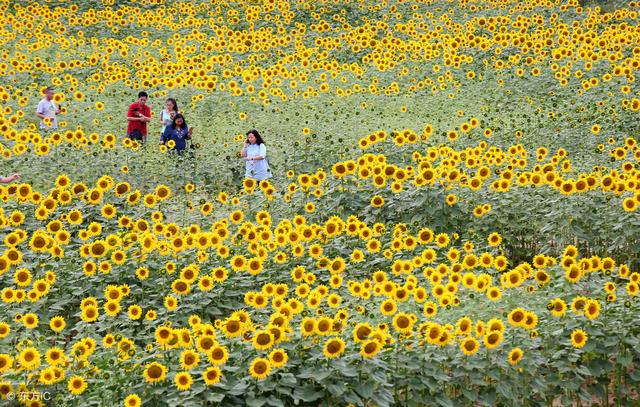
(453, 217)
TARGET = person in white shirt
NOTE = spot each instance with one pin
(168, 114)
(48, 110)
(255, 152)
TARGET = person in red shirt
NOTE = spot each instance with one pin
(138, 115)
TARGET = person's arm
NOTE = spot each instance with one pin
(6, 180)
(40, 111)
(142, 118)
(166, 135)
(262, 154)
(131, 117)
(147, 118)
(243, 152)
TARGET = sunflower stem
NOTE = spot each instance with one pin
(618, 393)
(397, 390)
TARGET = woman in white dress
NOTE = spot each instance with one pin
(255, 153)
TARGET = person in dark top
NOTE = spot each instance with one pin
(138, 115)
(178, 131)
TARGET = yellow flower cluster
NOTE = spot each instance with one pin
(427, 276)
(113, 282)
(472, 168)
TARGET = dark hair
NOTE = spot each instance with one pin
(175, 104)
(176, 117)
(259, 139)
(142, 94)
(49, 88)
